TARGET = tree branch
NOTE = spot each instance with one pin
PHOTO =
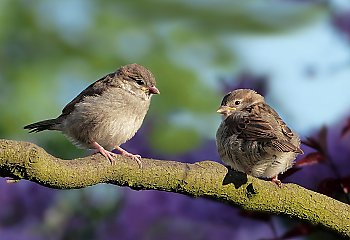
(23, 160)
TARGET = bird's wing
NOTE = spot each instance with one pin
(285, 129)
(251, 127)
(96, 88)
(285, 146)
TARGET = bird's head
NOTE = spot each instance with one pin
(139, 79)
(238, 100)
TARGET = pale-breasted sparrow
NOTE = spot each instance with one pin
(107, 113)
(252, 138)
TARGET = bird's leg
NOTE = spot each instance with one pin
(123, 152)
(276, 180)
(109, 155)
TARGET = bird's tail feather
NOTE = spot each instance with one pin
(42, 125)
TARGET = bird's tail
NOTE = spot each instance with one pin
(43, 125)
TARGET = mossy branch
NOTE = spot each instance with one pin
(23, 160)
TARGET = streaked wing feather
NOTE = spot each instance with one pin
(250, 127)
(254, 128)
(285, 129)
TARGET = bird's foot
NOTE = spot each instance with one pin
(107, 154)
(123, 152)
(277, 181)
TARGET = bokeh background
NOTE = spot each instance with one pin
(296, 53)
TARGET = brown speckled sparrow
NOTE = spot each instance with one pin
(107, 113)
(252, 138)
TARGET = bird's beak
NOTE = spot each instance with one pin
(225, 109)
(153, 90)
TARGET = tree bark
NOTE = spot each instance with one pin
(23, 160)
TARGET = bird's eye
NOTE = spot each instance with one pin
(237, 102)
(139, 81)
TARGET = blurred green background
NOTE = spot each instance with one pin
(51, 50)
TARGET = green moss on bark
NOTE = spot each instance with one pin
(203, 179)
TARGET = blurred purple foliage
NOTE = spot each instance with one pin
(23, 207)
(341, 21)
(245, 79)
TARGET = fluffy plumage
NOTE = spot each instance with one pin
(252, 138)
(108, 112)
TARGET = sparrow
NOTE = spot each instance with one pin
(252, 138)
(107, 113)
